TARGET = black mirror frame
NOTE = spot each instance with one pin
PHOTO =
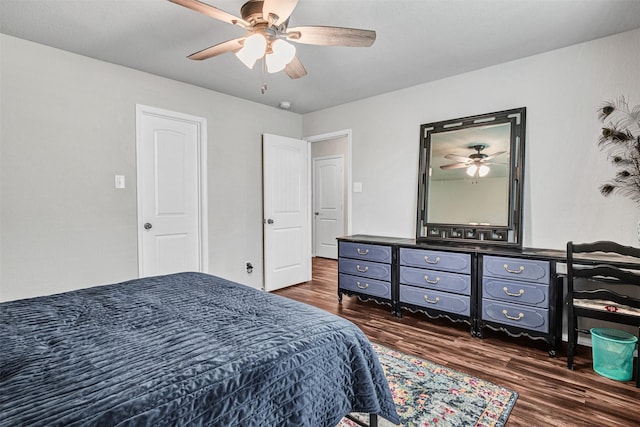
(509, 235)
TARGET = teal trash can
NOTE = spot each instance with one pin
(613, 353)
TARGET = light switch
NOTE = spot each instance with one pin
(357, 187)
(120, 182)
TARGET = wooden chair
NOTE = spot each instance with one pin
(615, 278)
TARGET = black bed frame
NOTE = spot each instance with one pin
(373, 420)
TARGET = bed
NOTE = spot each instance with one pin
(186, 349)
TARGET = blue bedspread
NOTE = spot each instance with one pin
(186, 349)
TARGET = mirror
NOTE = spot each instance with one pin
(470, 179)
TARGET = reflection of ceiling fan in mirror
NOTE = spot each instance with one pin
(477, 164)
(267, 35)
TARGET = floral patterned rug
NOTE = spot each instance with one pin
(427, 394)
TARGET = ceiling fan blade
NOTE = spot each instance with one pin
(282, 9)
(332, 36)
(491, 156)
(457, 158)
(295, 69)
(218, 49)
(454, 166)
(211, 11)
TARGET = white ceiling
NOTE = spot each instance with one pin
(417, 40)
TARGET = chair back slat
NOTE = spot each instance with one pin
(614, 274)
(606, 247)
(607, 295)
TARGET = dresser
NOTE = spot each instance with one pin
(435, 282)
(365, 271)
(520, 296)
(515, 291)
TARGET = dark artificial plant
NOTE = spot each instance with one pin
(621, 137)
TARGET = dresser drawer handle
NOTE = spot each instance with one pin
(433, 282)
(362, 270)
(519, 294)
(518, 271)
(506, 314)
(365, 286)
(361, 252)
(426, 259)
(435, 301)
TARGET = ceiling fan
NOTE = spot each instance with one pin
(476, 163)
(267, 35)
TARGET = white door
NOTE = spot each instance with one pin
(171, 192)
(287, 248)
(328, 197)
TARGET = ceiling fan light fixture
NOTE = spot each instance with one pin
(471, 170)
(253, 49)
(475, 170)
(281, 54)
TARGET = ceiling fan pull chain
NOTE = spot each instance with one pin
(263, 88)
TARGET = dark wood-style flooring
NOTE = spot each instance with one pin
(549, 393)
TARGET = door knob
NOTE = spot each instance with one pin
(316, 213)
(147, 226)
(269, 221)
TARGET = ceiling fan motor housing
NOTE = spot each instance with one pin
(251, 12)
(478, 155)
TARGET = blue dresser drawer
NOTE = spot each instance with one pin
(365, 286)
(365, 252)
(434, 279)
(516, 292)
(442, 301)
(438, 260)
(516, 269)
(373, 270)
(536, 319)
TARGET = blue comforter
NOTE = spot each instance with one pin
(187, 349)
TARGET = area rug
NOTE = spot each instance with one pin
(427, 394)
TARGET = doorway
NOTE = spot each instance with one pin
(326, 190)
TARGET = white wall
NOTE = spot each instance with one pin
(564, 167)
(68, 126)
